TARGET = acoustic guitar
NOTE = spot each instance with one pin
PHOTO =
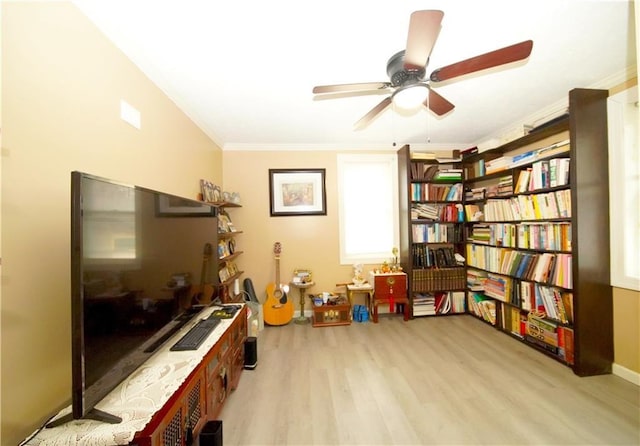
(201, 294)
(277, 308)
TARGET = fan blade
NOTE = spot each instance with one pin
(375, 111)
(495, 58)
(424, 27)
(438, 104)
(351, 87)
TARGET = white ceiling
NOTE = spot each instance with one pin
(244, 70)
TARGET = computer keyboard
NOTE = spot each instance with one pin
(196, 335)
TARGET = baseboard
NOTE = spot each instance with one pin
(626, 374)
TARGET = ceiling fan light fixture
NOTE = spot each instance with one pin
(410, 96)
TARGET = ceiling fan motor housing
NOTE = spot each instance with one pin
(399, 76)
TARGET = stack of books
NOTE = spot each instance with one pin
(424, 304)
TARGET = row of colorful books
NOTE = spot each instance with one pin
(548, 268)
(556, 303)
(541, 236)
(543, 174)
(436, 192)
(540, 331)
(436, 233)
(510, 162)
(428, 171)
(483, 307)
(437, 212)
(430, 304)
(548, 205)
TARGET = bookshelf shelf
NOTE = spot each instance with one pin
(226, 268)
(541, 247)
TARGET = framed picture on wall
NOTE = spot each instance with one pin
(297, 192)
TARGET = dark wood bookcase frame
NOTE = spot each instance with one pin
(445, 279)
(586, 124)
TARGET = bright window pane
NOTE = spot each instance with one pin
(368, 201)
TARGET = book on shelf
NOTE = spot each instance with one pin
(542, 330)
(451, 213)
(423, 304)
(435, 279)
(423, 156)
(566, 344)
(436, 233)
(511, 321)
(466, 153)
(482, 307)
(558, 172)
(498, 164)
(444, 302)
(556, 148)
(498, 287)
(476, 279)
(540, 343)
(531, 156)
(436, 192)
(473, 212)
(423, 171)
(522, 183)
(448, 174)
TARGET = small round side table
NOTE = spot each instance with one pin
(302, 319)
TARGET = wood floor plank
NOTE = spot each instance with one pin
(447, 380)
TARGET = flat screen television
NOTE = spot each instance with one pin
(134, 254)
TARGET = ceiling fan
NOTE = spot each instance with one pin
(407, 68)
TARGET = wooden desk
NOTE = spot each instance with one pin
(390, 289)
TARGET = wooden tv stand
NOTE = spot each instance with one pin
(170, 395)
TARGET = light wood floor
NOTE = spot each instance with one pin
(447, 380)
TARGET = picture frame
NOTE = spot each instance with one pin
(297, 192)
(172, 206)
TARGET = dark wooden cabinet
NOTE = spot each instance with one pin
(202, 396)
(390, 289)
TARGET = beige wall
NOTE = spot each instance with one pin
(62, 86)
(307, 241)
(626, 328)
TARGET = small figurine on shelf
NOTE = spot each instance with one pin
(385, 267)
(358, 278)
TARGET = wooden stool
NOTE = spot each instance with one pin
(351, 289)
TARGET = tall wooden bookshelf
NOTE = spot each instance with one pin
(431, 233)
(575, 241)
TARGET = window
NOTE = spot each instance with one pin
(624, 180)
(368, 207)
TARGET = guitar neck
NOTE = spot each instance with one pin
(277, 271)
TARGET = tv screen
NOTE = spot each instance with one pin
(134, 254)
